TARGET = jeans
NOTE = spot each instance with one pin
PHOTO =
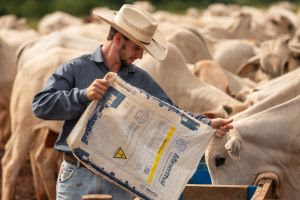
(75, 181)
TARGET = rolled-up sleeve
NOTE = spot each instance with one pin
(60, 100)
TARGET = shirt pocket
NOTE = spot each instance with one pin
(66, 172)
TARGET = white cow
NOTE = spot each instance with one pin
(57, 21)
(29, 80)
(93, 31)
(276, 57)
(55, 39)
(239, 87)
(287, 85)
(187, 91)
(33, 71)
(264, 145)
(220, 9)
(211, 72)
(272, 93)
(280, 21)
(232, 54)
(10, 40)
(12, 22)
(191, 44)
(238, 26)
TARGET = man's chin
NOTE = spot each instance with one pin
(127, 62)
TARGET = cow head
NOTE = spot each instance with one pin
(231, 161)
(242, 24)
(12, 22)
(280, 21)
(276, 57)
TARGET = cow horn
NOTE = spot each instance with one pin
(233, 146)
(269, 175)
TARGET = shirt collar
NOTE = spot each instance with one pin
(131, 68)
(97, 56)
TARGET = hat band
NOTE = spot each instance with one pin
(145, 36)
(160, 46)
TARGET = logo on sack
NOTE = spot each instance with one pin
(142, 116)
(167, 171)
(181, 144)
(120, 154)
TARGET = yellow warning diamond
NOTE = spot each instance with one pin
(120, 154)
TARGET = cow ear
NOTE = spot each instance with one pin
(233, 146)
(294, 47)
(250, 66)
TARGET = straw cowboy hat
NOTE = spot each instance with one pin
(138, 26)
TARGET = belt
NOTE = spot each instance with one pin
(70, 158)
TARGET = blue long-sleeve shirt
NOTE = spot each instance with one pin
(64, 97)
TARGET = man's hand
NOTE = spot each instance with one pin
(97, 89)
(222, 126)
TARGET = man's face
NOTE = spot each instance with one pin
(129, 52)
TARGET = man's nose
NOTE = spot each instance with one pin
(140, 53)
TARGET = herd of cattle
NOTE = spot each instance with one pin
(225, 61)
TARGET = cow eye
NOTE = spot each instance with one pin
(219, 161)
(274, 22)
(290, 27)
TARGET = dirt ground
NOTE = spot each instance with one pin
(24, 190)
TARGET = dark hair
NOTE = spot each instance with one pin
(112, 32)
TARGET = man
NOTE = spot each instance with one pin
(75, 84)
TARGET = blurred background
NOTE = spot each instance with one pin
(233, 46)
(35, 9)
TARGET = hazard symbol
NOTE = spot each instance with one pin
(120, 154)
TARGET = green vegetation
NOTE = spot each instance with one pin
(35, 9)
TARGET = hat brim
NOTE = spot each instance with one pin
(158, 45)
